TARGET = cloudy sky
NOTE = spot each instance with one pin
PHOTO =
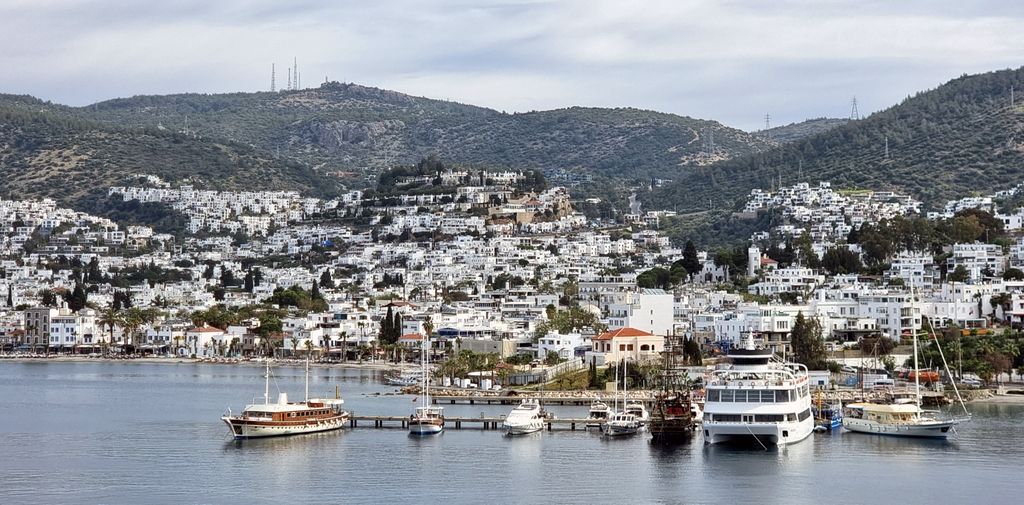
(733, 61)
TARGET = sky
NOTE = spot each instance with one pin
(733, 61)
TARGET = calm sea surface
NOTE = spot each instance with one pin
(85, 433)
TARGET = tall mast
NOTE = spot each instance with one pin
(917, 374)
(307, 378)
(266, 386)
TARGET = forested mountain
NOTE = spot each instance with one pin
(959, 138)
(797, 131)
(52, 151)
(360, 130)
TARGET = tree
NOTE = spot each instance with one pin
(314, 292)
(78, 298)
(248, 283)
(1013, 274)
(592, 381)
(325, 279)
(690, 261)
(10, 295)
(808, 346)
(48, 298)
(959, 274)
(110, 317)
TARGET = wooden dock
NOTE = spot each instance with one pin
(514, 400)
(460, 422)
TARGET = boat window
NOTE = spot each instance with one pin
(726, 418)
(769, 418)
(767, 396)
(728, 395)
(714, 395)
(805, 414)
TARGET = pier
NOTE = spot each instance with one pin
(460, 422)
(514, 400)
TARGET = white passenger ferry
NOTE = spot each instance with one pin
(757, 398)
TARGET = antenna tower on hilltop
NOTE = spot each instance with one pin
(273, 84)
(854, 115)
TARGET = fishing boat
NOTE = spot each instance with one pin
(427, 419)
(757, 398)
(906, 419)
(598, 414)
(286, 418)
(527, 417)
(827, 417)
(672, 416)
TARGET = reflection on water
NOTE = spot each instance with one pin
(145, 433)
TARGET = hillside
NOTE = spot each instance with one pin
(50, 151)
(350, 128)
(959, 138)
(797, 131)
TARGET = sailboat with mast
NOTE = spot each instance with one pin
(267, 419)
(427, 419)
(622, 422)
(905, 419)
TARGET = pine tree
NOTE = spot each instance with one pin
(314, 292)
(386, 326)
(325, 279)
(808, 347)
(248, 283)
(690, 261)
(10, 295)
(77, 299)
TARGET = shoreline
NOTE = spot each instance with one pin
(197, 361)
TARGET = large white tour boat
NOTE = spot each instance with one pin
(757, 398)
(285, 418)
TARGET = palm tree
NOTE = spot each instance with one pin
(295, 344)
(110, 317)
(344, 347)
(309, 347)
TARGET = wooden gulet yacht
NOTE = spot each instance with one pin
(267, 419)
(905, 419)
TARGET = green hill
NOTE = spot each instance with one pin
(959, 138)
(53, 151)
(359, 130)
(797, 131)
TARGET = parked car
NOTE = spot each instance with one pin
(967, 381)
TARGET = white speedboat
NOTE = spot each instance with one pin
(286, 418)
(598, 414)
(756, 398)
(527, 417)
(621, 424)
(639, 411)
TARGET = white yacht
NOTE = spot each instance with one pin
(622, 423)
(598, 414)
(527, 417)
(756, 397)
(639, 411)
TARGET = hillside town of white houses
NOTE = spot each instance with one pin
(476, 264)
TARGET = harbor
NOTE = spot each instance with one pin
(104, 426)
